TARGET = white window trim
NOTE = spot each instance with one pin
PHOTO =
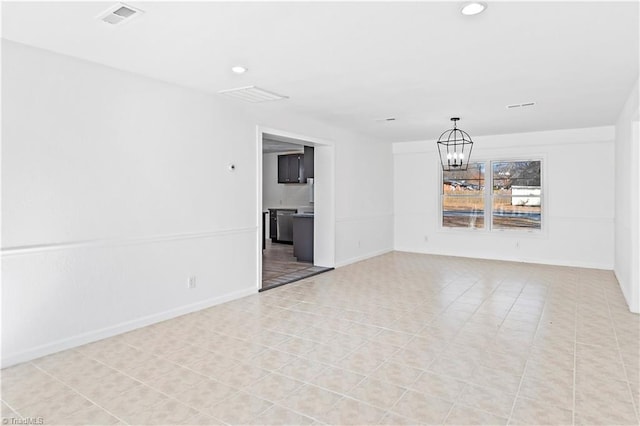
(488, 200)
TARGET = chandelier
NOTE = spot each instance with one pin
(454, 146)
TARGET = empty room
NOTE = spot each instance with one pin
(292, 213)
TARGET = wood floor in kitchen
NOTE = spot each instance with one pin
(279, 266)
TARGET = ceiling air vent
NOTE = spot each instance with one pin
(119, 14)
(252, 94)
(524, 105)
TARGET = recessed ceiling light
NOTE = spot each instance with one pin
(473, 8)
(239, 69)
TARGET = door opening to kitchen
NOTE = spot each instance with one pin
(288, 208)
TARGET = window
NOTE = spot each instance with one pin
(463, 197)
(513, 200)
(517, 195)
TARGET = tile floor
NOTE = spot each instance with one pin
(279, 266)
(398, 339)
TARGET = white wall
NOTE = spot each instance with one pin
(116, 188)
(276, 194)
(364, 201)
(627, 229)
(577, 168)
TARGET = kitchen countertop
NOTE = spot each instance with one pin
(297, 208)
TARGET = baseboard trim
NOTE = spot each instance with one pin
(103, 333)
(572, 264)
(633, 306)
(363, 257)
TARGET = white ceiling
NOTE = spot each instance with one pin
(350, 63)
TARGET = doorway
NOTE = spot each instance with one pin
(295, 186)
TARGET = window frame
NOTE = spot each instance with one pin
(488, 198)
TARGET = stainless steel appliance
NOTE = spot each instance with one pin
(285, 226)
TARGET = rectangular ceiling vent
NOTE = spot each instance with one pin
(524, 105)
(252, 94)
(119, 14)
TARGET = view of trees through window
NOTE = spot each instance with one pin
(515, 196)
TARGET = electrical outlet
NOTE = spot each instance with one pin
(192, 282)
(517, 244)
(359, 243)
(426, 238)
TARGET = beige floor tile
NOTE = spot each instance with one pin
(595, 416)
(544, 372)
(20, 373)
(274, 387)
(487, 399)
(460, 367)
(551, 392)
(377, 393)
(422, 408)
(495, 378)
(311, 400)
(533, 412)
(205, 394)
(242, 375)
(461, 415)
(188, 355)
(213, 367)
(133, 401)
(92, 415)
(107, 387)
(303, 369)
(349, 411)
(337, 380)
(277, 415)
(56, 408)
(121, 360)
(165, 412)
(437, 385)
(62, 363)
(391, 337)
(604, 399)
(203, 420)
(393, 419)
(7, 412)
(398, 374)
(269, 338)
(154, 367)
(175, 381)
(272, 359)
(238, 409)
(361, 331)
(297, 346)
(39, 387)
(415, 357)
(360, 362)
(329, 353)
(508, 362)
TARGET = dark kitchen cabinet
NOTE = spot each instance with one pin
(303, 237)
(291, 168)
(308, 162)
